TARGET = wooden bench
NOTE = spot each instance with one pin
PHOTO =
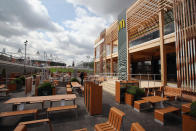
(136, 127)
(68, 86)
(22, 125)
(83, 129)
(159, 114)
(114, 121)
(59, 108)
(21, 128)
(69, 90)
(4, 91)
(172, 92)
(16, 113)
(186, 108)
(138, 105)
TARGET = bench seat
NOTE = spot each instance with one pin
(159, 114)
(83, 129)
(22, 125)
(59, 108)
(4, 90)
(16, 113)
(139, 104)
(136, 127)
(69, 91)
(21, 128)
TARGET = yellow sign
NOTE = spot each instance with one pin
(121, 24)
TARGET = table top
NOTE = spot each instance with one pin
(155, 99)
(41, 98)
(75, 84)
(151, 87)
(188, 105)
(2, 86)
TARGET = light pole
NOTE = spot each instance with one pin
(25, 57)
(88, 57)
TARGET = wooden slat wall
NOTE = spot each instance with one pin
(112, 33)
(142, 17)
(185, 25)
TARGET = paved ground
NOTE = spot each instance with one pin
(66, 121)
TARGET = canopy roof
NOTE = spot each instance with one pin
(146, 11)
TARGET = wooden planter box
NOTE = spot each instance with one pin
(120, 92)
(53, 91)
(11, 87)
(36, 91)
(188, 123)
(93, 98)
(129, 99)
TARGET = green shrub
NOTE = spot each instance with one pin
(34, 76)
(45, 89)
(3, 73)
(193, 109)
(23, 79)
(136, 91)
(18, 82)
(12, 82)
(74, 80)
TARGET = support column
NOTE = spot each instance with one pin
(162, 49)
(111, 60)
(95, 68)
(105, 65)
(128, 57)
(94, 60)
(111, 66)
(128, 65)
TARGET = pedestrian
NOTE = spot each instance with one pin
(82, 77)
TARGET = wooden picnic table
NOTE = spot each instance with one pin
(41, 98)
(77, 88)
(2, 86)
(76, 84)
(155, 99)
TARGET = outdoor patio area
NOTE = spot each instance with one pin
(66, 120)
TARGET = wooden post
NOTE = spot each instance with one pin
(94, 60)
(111, 66)
(95, 68)
(162, 49)
(111, 60)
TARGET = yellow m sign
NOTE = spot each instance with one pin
(121, 24)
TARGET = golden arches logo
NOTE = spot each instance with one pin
(121, 24)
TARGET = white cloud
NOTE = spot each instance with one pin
(109, 9)
(22, 20)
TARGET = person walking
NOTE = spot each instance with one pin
(82, 77)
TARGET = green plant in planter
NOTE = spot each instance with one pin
(22, 79)
(136, 91)
(34, 76)
(18, 82)
(3, 73)
(45, 89)
(193, 110)
(74, 80)
(12, 82)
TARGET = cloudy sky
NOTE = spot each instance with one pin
(64, 29)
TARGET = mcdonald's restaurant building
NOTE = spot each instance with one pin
(152, 39)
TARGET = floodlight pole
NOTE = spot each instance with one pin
(25, 57)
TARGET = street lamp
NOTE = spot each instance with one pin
(25, 57)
